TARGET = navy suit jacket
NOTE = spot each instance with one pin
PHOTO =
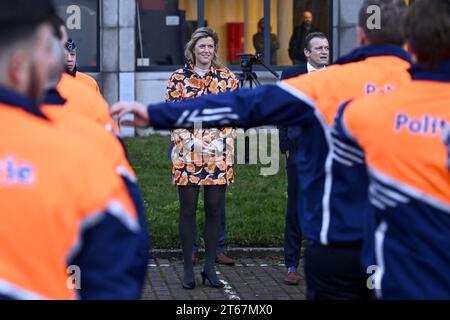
(290, 135)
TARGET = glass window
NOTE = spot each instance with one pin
(165, 26)
(163, 29)
(292, 20)
(82, 21)
(236, 23)
(241, 25)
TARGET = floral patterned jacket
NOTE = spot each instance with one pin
(205, 156)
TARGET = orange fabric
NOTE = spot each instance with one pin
(87, 80)
(85, 101)
(409, 146)
(65, 181)
(68, 119)
(341, 83)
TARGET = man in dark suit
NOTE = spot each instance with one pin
(297, 43)
(317, 54)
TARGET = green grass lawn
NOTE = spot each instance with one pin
(255, 204)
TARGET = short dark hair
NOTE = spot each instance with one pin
(20, 18)
(311, 36)
(427, 28)
(261, 23)
(392, 13)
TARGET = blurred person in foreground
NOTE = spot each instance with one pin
(400, 138)
(61, 205)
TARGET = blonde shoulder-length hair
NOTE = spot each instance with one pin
(198, 34)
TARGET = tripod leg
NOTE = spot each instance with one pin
(255, 79)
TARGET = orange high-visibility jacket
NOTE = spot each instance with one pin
(401, 136)
(87, 80)
(63, 113)
(60, 206)
(85, 101)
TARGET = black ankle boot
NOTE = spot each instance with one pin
(214, 283)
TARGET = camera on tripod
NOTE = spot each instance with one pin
(247, 61)
(248, 77)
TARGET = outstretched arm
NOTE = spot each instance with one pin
(278, 104)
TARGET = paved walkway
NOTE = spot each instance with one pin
(254, 278)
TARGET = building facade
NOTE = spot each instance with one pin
(132, 46)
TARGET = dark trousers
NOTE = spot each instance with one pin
(292, 230)
(335, 273)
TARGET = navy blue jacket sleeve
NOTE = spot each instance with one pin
(108, 260)
(284, 141)
(245, 108)
(114, 253)
(135, 194)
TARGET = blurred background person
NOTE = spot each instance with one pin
(201, 157)
(258, 42)
(72, 68)
(317, 54)
(89, 103)
(297, 42)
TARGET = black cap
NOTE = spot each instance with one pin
(70, 45)
(24, 15)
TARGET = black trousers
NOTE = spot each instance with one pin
(335, 273)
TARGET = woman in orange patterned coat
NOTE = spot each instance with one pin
(201, 157)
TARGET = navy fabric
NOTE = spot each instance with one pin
(370, 51)
(109, 261)
(294, 71)
(71, 45)
(348, 167)
(310, 157)
(135, 194)
(14, 99)
(292, 228)
(335, 273)
(289, 140)
(283, 137)
(243, 108)
(124, 146)
(53, 98)
(441, 74)
(410, 228)
(447, 142)
(289, 135)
